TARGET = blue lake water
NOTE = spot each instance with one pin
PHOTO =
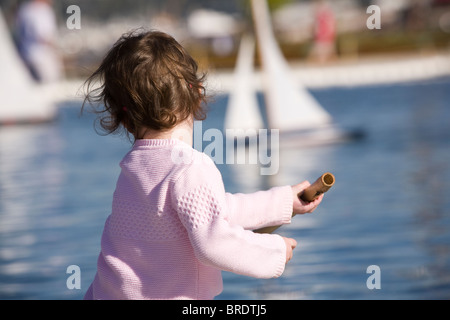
(390, 205)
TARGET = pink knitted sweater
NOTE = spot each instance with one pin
(173, 228)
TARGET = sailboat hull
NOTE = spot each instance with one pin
(303, 138)
(323, 135)
(14, 121)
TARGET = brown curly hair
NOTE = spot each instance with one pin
(146, 80)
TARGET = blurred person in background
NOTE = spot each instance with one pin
(324, 48)
(37, 34)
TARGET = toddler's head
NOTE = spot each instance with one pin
(147, 81)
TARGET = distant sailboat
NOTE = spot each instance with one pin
(21, 99)
(290, 107)
(243, 112)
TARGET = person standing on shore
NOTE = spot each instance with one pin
(324, 48)
(37, 34)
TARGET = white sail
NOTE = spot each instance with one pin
(21, 99)
(289, 106)
(242, 110)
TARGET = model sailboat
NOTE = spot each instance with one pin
(243, 114)
(289, 106)
(22, 100)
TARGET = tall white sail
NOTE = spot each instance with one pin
(242, 110)
(21, 99)
(289, 106)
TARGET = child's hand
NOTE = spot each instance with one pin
(300, 206)
(290, 246)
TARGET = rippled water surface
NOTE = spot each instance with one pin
(389, 207)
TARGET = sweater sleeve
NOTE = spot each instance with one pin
(260, 209)
(199, 199)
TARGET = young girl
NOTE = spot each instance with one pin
(173, 228)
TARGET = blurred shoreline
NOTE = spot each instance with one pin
(377, 69)
(412, 42)
(367, 70)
